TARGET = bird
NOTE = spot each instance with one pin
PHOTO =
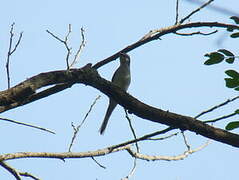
(122, 79)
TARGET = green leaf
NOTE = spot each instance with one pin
(232, 83)
(214, 58)
(237, 89)
(232, 73)
(230, 29)
(230, 60)
(237, 111)
(226, 52)
(235, 35)
(232, 125)
(235, 19)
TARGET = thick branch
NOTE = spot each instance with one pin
(89, 76)
(174, 120)
(25, 92)
(10, 99)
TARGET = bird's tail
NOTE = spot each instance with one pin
(109, 111)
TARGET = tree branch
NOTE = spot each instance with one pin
(166, 158)
(62, 155)
(26, 91)
(89, 76)
(28, 125)
(157, 33)
(10, 170)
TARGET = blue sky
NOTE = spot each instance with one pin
(168, 74)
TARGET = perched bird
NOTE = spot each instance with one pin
(121, 78)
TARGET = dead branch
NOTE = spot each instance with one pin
(195, 11)
(157, 33)
(79, 51)
(165, 158)
(77, 128)
(11, 51)
(216, 107)
(62, 155)
(65, 42)
(28, 125)
(10, 170)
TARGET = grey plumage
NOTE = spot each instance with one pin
(122, 79)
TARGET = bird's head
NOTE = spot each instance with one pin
(124, 58)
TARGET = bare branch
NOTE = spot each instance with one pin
(165, 158)
(26, 174)
(68, 33)
(98, 163)
(176, 19)
(157, 33)
(196, 33)
(163, 138)
(76, 129)
(131, 128)
(100, 152)
(132, 170)
(82, 45)
(65, 42)
(28, 125)
(221, 118)
(10, 170)
(195, 11)
(186, 141)
(56, 37)
(11, 51)
(65, 155)
(62, 155)
(220, 9)
(68, 48)
(145, 137)
(217, 106)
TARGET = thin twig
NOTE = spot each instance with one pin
(28, 125)
(26, 174)
(196, 33)
(65, 42)
(145, 137)
(82, 45)
(176, 20)
(76, 129)
(131, 128)
(185, 141)
(132, 170)
(98, 163)
(195, 11)
(221, 118)
(11, 51)
(219, 9)
(163, 138)
(10, 170)
(216, 107)
(67, 47)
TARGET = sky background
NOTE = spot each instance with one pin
(168, 74)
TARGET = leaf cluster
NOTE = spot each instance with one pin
(232, 81)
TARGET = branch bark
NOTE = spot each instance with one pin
(89, 76)
(157, 33)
